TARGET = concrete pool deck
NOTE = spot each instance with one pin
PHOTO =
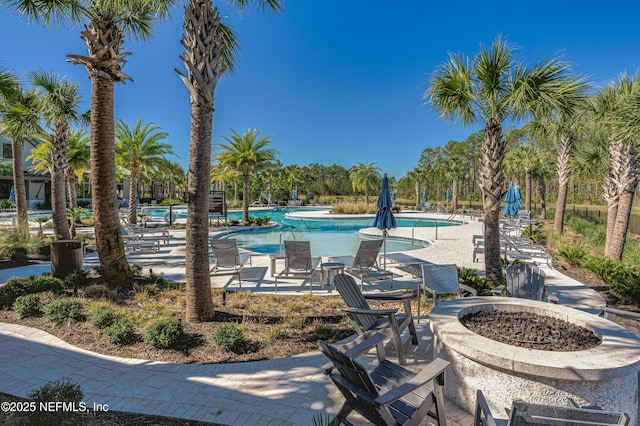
(287, 391)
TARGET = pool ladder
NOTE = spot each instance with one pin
(413, 229)
(281, 242)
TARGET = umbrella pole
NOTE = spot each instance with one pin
(384, 243)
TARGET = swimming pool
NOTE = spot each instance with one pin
(330, 235)
(335, 235)
(323, 243)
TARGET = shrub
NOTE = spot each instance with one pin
(572, 253)
(27, 306)
(43, 283)
(63, 390)
(164, 333)
(470, 277)
(535, 234)
(98, 291)
(17, 239)
(121, 332)
(19, 255)
(76, 279)
(624, 281)
(103, 316)
(62, 310)
(17, 287)
(228, 337)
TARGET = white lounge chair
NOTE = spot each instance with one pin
(365, 262)
(298, 262)
(227, 259)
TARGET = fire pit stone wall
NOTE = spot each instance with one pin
(607, 375)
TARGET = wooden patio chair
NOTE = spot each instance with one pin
(298, 262)
(367, 321)
(441, 279)
(528, 414)
(388, 394)
(525, 281)
(227, 259)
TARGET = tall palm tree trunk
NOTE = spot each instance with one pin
(172, 188)
(59, 165)
(542, 188)
(564, 157)
(246, 181)
(619, 234)
(72, 182)
(528, 187)
(18, 183)
(105, 57)
(198, 289)
(417, 188)
(629, 183)
(454, 195)
(492, 187)
(201, 58)
(133, 212)
(611, 189)
(109, 242)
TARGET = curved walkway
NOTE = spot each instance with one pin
(287, 391)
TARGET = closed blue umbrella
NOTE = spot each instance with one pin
(511, 209)
(393, 195)
(294, 195)
(12, 195)
(384, 217)
(448, 197)
(424, 196)
(518, 198)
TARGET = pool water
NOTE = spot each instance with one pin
(323, 243)
(328, 236)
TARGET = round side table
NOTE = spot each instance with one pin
(325, 271)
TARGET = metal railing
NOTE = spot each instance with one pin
(415, 225)
(281, 242)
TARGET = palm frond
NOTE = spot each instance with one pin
(450, 90)
(229, 44)
(264, 5)
(58, 13)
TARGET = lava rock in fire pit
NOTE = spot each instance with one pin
(529, 330)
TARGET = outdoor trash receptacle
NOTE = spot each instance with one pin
(66, 257)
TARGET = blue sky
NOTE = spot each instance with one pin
(337, 81)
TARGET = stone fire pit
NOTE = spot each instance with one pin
(607, 375)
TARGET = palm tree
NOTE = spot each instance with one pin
(20, 113)
(294, 176)
(210, 51)
(79, 162)
(456, 167)
(60, 105)
(246, 154)
(139, 147)
(493, 88)
(106, 24)
(8, 84)
(365, 176)
(40, 158)
(617, 106)
(174, 173)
